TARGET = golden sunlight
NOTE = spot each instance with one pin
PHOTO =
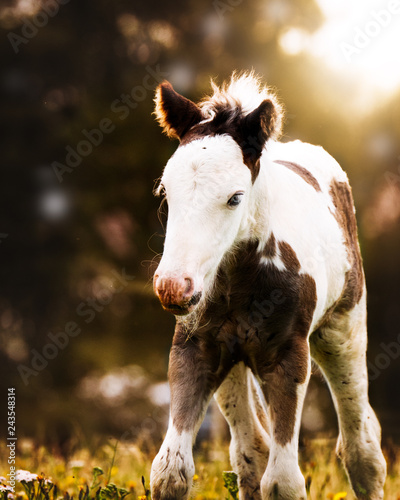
(359, 41)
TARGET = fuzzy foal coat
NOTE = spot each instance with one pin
(277, 279)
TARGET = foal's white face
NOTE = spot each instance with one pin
(207, 187)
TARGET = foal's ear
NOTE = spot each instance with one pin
(175, 113)
(255, 129)
(262, 123)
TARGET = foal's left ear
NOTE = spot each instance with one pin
(261, 124)
(264, 121)
(175, 113)
(255, 129)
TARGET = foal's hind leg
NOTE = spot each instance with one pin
(243, 409)
(340, 351)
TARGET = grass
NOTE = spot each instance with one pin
(115, 471)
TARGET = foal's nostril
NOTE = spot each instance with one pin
(189, 286)
(195, 299)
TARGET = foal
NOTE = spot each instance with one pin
(262, 269)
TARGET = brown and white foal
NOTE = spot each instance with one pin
(262, 268)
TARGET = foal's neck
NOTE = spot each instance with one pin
(255, 225)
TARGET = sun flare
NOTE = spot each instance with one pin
(360, 41)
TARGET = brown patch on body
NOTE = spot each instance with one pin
(307, 297)
(289, 257)
(345, 216)
(281, 388)
(303, 172)
(269, 250)
(282, 384)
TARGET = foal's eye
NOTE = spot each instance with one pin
(235, 200)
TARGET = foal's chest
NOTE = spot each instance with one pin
(259, 309)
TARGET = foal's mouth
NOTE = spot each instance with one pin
(185, 308)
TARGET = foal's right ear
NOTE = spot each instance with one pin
(175, 113)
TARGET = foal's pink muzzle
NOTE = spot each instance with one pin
(177, 294)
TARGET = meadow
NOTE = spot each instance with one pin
(116, 470)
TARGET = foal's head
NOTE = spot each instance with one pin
(208, 182)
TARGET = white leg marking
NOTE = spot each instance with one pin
(173, 468)
(283, 479)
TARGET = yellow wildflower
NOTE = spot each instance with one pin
(340, 495)
(69, 481)
(195, 477)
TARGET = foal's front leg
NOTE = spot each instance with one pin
(284, 390)
(193, 380)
